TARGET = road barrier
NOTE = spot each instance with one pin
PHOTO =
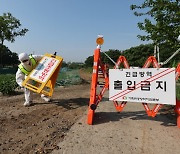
(101, 71)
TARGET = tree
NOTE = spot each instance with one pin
(113, 54)
(10, 28)
(7, 57)
(89, 61)
(75, 65)
(136, 56)
(64, 64)
(163, 28)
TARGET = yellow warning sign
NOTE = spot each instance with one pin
(43, 78)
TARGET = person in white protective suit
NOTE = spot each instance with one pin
(28, 63)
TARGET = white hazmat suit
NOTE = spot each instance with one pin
(27, 64)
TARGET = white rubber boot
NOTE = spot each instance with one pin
(26, 104)
(45, 98)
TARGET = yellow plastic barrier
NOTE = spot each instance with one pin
(42, 79)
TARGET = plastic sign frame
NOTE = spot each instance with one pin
(42, 79)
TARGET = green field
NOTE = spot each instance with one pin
(69, 77)
(66, 77)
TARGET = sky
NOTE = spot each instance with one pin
(70, 27)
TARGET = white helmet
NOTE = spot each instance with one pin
(23, 56)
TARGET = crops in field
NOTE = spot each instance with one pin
(69, 77)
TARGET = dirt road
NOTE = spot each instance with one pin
(60, 126)
(128, 132)
(38, 129)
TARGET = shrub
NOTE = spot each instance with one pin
(7, 84)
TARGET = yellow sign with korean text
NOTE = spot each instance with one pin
(42, 79)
